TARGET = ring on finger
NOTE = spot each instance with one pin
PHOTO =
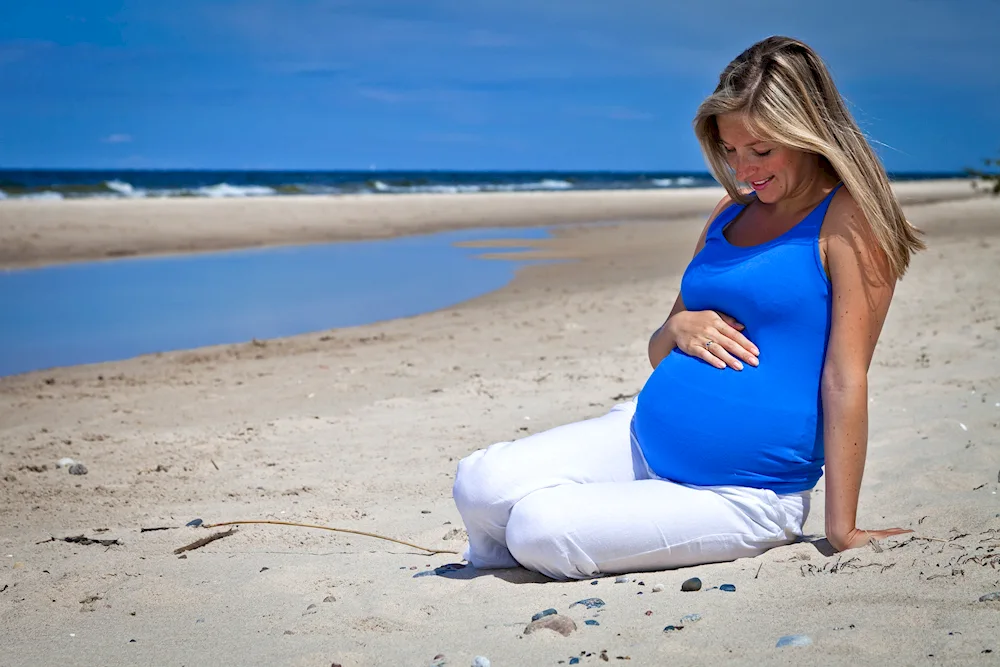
(708, 344)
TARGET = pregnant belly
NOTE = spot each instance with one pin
(696, 424)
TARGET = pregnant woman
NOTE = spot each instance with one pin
(760, 370)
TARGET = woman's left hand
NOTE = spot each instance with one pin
(859, 538)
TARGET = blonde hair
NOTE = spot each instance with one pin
(787, 95)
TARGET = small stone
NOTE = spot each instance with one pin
(64, 462)
(131, 641)
(312, 606)
(794, 640)
(438, 660)
(564, 625)
(329, 598)
(621, 580)
(657, 588)
(688, 619)
(990, 597)
(673, 628)
(589, 603)
(78, 469)
(590, 621)
(649, 612)
(692, 584)
(194, 523)
(729, 588)
(289, 632)
(543, 614)
(574, 661)
(480, 661)
(594, 582)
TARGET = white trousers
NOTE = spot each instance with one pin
(579, 501)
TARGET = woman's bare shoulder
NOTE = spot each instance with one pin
(850, 238)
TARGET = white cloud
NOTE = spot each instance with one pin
(117, 139)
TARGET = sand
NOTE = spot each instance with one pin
(35, 232)
(361, 428)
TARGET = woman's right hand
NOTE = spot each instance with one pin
(713, 337)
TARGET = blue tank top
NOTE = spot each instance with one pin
(760, 427)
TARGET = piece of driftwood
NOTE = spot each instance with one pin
(198, 544)
(335, 530)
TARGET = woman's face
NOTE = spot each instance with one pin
(771, 169)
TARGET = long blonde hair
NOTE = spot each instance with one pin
(784, 90)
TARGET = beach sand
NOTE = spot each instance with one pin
(362, 428)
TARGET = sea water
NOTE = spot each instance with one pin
(116, 309)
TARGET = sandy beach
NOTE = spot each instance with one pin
(362, 429)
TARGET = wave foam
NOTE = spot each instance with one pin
(227, 190)
(123, 188)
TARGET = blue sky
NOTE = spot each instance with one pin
(464, 84)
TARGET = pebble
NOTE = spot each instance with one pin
(480, 661)
(78, 469)
(672, 628)
(574, 661)
(329, 598)
(594, 582)
(991, 597)
(438, 660)
(64, 462)
(589, 603)
(794, 640)
(194, 523)
(543, 614)
(657, 588)
(564, 625)
(692, 584)
(621, 580)
(590, 621)
(690, 618)
(729, 588)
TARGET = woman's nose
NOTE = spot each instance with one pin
(743, 169)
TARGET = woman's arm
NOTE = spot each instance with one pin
(862, 284)
(719, 326)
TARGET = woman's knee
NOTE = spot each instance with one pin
(479, 483)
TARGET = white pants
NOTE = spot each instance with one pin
(578, 501)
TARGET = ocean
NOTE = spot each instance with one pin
(74, 184)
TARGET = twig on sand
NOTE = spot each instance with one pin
(198, 544)
(80, 539)
(336, 530)
(214, 463)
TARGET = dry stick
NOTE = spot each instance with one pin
(198, 544)
(336, 530)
